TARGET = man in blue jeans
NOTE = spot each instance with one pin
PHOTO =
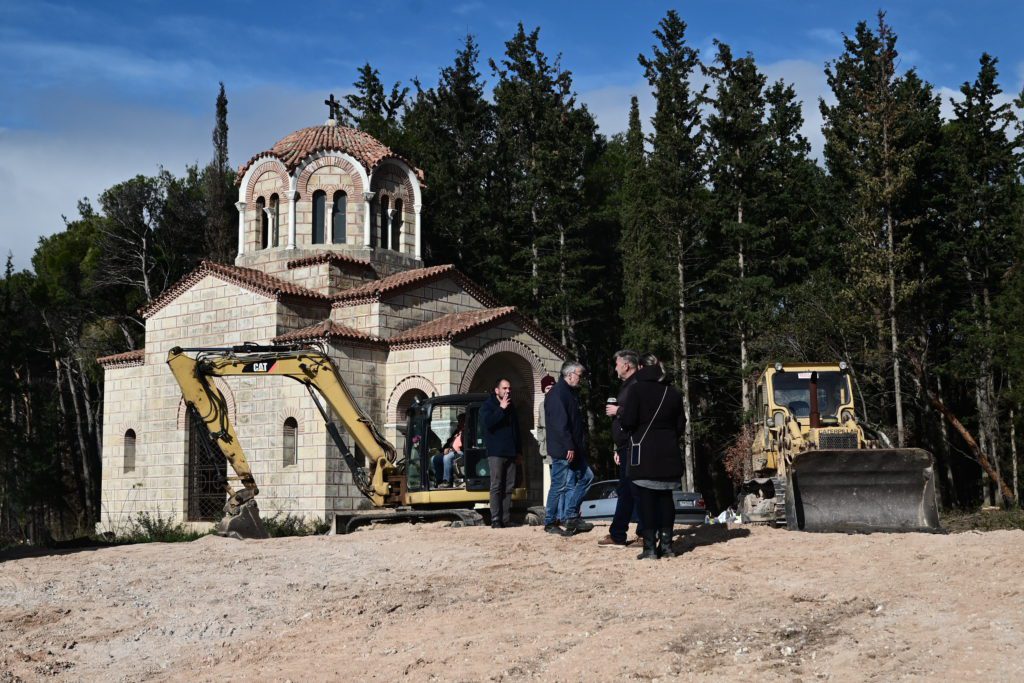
(567, 447)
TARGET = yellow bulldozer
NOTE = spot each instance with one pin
(813, 466)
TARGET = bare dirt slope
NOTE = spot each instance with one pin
(432, 603)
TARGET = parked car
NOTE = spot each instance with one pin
(599, 503)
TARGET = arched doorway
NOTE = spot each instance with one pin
(520, 373)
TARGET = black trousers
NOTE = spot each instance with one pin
(657, 509)
(503, 480)
(625, 504)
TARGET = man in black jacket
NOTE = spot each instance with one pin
(567, 448)
(626, 364)
(501, 438)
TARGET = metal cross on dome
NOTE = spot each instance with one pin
(335, 108)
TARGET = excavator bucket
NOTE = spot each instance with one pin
(243, 523)
(862, 490)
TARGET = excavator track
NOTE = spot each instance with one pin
(345, 523)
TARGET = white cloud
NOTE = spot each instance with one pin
(47, 170)
(828, 36)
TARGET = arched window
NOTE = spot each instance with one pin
(384, 222)
(373, 224)
(261, 206)
(338, 218)
(319, 214)
(290, 450)
(275, 220)
(129, 451)
(396, 226)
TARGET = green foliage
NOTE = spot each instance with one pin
(288, 524)
(373, 110)
(145, 527)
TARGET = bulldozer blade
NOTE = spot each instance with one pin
(242, 524)
(862, 490)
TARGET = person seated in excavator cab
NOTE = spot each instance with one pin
(444, 462)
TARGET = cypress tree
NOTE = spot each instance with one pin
(221, 235)
(374, 111)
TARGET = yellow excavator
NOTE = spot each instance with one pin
(398, 488)
(813, 466)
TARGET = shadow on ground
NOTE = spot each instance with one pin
(707, 534)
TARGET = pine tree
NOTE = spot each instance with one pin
(678, 165)
(449, 130)
(985, 186)
(646, 321)
(372, 110)
(739, 147)
(872, 148)
(545, 143)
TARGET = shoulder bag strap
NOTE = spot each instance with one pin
(658, 410)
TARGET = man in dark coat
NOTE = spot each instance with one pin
(501, 438)
(567, 448)
(626, 364)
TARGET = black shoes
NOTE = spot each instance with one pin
(554, 528)
(650, 552)
(665, 544)
(576, 525)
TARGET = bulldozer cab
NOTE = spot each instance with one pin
(788, 390)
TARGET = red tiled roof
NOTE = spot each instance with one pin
(452, 326)
(328, 329)
(400, 282)
(334, 257)
(253, 280)
(123, 360)
(294, 148)
(455, 326)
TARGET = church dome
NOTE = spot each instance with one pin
(293, 149)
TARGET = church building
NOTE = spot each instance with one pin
(329, 251)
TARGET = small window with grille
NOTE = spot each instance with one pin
(291, 442)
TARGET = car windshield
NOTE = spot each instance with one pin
(791, 390)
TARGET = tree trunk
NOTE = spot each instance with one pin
(947, 467)
(744, 389)
(684, 368)
(893, 336)
(965, 434)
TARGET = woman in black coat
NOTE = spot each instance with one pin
(653, 415)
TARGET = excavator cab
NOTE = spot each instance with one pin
(431, 423)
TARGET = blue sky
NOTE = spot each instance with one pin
(95, 92)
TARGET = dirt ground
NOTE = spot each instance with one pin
(428, 602)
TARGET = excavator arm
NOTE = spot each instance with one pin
(379, 481)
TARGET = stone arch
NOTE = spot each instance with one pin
(253, 175)
(396, 407)
(229, 399)
(349, 165)
(504, 346)
(518, 363)
(293, 412)
(410, 185)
